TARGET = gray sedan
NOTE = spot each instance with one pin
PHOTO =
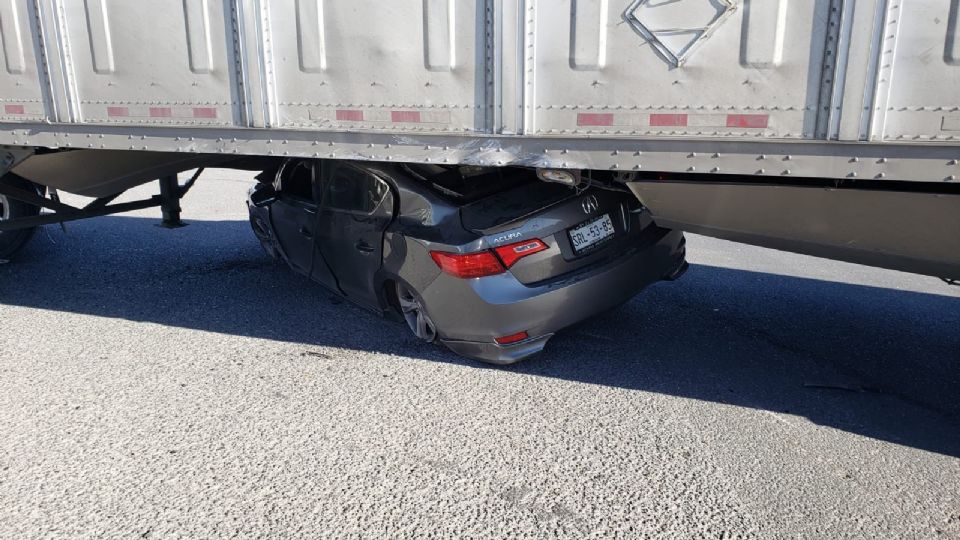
(490, 262)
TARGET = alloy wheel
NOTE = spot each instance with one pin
(411, 307)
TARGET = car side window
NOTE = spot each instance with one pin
(352, 189)
(296, 180)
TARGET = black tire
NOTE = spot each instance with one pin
(13, 241)
(414, 313)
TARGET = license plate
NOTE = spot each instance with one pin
(591, 233)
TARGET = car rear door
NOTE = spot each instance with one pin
(356, 207)
(294, 213)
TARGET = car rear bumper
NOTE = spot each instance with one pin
(495, 353)
(470, 313)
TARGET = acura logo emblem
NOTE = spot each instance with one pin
(590, 204)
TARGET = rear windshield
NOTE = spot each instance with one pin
(465, 184)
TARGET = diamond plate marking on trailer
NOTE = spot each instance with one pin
(675, 29)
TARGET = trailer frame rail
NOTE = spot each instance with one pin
(168, 200)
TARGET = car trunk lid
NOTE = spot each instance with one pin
(501, 210)
(579, 230)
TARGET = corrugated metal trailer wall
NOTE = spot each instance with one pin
(626, 84)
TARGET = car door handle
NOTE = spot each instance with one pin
(304, 231)
(364, 247)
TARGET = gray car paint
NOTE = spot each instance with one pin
(469, 313)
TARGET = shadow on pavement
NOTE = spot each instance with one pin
(878, 362)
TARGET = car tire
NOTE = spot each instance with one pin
(13, 241)
(412, 309)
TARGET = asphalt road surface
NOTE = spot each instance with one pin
(176, 383)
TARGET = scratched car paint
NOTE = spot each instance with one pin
(491, 263)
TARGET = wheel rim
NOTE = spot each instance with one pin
(4, 208)
(416, 317)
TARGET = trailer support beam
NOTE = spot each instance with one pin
(168, 200)
(170, 193)
(77, 214)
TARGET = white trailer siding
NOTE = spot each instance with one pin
(825, 88)
(920, 73)
(419, 74)
(144, 63)
(737, 80)
(23, 81)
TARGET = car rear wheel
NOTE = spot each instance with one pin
(12, 241)
(411, 307)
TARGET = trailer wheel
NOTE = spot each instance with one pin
(12, 241)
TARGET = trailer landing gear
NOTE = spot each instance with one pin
(21, 193)
(170, 202)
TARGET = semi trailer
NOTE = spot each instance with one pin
(827, 127)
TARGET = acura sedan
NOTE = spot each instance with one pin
(490, 262)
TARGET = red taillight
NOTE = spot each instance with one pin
(514, 252)
(468, 265)
(512, 338)
(485, 263)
